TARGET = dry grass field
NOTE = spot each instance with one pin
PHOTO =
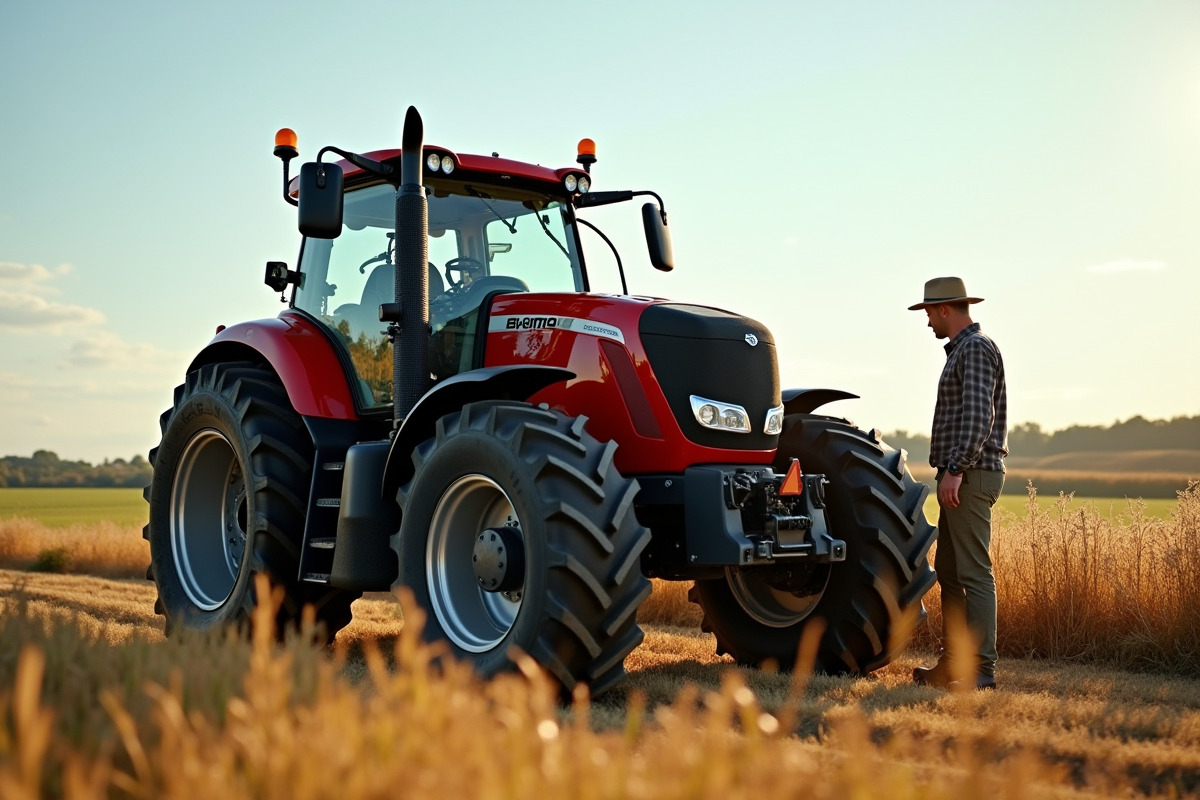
(1100, 696)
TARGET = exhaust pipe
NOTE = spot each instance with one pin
(410, 367)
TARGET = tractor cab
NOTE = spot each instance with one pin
(485, 238)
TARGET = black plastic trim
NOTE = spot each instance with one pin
(805, 401)
(515, 382)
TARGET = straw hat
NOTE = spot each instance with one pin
(945, 290)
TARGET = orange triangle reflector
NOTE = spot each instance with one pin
(793, 483)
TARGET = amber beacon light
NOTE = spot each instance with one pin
(285, 144)
(586, 154)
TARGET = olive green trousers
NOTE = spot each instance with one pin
(964, 564)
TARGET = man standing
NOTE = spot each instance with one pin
(967, 447)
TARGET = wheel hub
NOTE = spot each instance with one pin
(208, 519)
(769, 605)
(499, 559)
(475, 604)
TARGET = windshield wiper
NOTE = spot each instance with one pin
(546, 228)
(512, 228)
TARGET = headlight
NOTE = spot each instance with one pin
(720, 416)
(433, 161)
(584, 185)
(571, 183)
(734, 419)
(447, 164)
(774, 421)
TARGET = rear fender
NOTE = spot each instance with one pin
(805, 401)
(301, 354)
(517, 382)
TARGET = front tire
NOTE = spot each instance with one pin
(870, 602)
(227, 501)
(531, 488)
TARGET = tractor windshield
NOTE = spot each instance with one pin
(480, 238)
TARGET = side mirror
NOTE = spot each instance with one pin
(658, 238)
(320, 208)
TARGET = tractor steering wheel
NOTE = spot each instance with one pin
(469, 269)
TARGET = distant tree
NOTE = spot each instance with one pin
(45, 468)
(916, 444)
(1028, 439)
(44, 458)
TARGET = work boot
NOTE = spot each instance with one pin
(981, 682)
(938, 675)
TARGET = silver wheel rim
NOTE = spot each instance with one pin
(474, 619)
(208, 519)
(775, 608)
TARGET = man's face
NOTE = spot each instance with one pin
(937, 321)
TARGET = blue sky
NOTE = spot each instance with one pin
(819, 160)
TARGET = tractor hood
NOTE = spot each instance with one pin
(702, 322)
(715, 355)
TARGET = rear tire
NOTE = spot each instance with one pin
(872, 600)
(227, 502)
(566, 513)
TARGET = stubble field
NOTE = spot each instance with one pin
(1100, 693)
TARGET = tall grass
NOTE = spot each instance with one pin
(204, 717)
(106, 549)
(1073, 583)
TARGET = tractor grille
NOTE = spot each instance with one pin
(703, 351)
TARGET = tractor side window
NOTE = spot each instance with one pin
(346, 279)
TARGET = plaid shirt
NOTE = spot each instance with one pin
(970, 422)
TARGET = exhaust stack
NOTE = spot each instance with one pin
(410, 367)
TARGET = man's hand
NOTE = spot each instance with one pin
(948, 490)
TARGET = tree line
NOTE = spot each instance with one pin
(1028, 438)
(45, 468)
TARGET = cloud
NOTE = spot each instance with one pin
(29, 276)
(31, 313)
(1127, 265)
(109, 351)
(15, 387)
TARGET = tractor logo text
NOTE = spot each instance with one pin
(525, 323)
(529, 322)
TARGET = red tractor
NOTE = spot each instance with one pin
(445, 406)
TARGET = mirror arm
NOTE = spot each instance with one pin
(362, 162)
(605, 198)
(286, 154)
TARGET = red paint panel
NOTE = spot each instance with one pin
(595, 392)
(473, 163)
(466, 162)
(302, 356)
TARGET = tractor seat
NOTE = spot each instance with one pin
(462, 300)
(380, 286)
(363, 316)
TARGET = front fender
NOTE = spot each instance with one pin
(516, 382)
(805, 401)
